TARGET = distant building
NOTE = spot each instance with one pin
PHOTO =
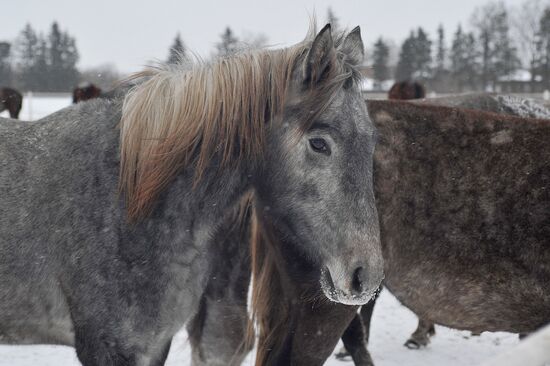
(519, 82)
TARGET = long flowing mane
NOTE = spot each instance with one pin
(185, 115)
(269, 303)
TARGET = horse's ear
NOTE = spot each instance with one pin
(320, 58)
(353, 48)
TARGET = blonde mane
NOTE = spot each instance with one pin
(182, 116)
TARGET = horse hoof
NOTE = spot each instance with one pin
(343, 355)
(413, 344)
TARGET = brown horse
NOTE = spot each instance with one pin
(85, 91)
(406, 90)
(462, 194)
(502, 104)
(11, 100)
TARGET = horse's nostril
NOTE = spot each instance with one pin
(359, 279)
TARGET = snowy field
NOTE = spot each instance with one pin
(392, 323)
(38, 106)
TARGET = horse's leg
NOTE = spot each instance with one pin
(421, 336)
(163, 355)
(218, 332)
(317, 331)
(366, 314)
(95, 348)
(355, 342)
(356, 338)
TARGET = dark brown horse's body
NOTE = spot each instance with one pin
(464, 204)
(85, 91)
(502, 104)
(11, 100)
(479, 216)
(406, 90)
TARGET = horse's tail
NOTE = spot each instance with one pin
(270, 306)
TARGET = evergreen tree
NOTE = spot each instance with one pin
(70, 59)
(415, 57)
(457, 57)
(41, 65)
(177, 51)
(333, 21)
(423, 59)
(229, 43)
(441, 54)
(62, 59)
(46, 64)
(55, 51)
(406, 63)
(26, 47)
(5, 66)
(381, 55)
(464, 60)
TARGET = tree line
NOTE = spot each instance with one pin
(39, 62)
(492, 50)
(495, 45)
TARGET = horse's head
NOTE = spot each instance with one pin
(316, 181)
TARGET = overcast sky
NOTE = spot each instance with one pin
(129, 33)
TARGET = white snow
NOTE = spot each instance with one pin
(391, 326)
(36, 106)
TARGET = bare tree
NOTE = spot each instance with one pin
(104, 76)
(254, 40)
(526, 23)
(498, 53)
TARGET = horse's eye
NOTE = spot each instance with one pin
(319, 145)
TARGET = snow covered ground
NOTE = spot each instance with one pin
(392, 323)
(38, 106)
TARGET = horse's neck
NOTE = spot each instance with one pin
(193, 214)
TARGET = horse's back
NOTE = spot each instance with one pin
(45, 166)
(489, 102)
(466, 196)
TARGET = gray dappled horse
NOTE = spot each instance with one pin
(110, 208)
(464, 204)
